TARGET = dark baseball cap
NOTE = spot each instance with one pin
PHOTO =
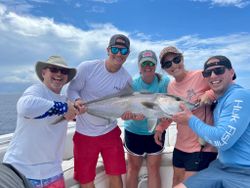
(124, 41)
(223, 60)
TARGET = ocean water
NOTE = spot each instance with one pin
(8, 112)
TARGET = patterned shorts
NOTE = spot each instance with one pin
(52, 182)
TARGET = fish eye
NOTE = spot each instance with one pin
(178, 98)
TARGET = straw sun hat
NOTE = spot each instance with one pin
(54, 61)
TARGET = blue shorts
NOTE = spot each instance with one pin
(140, 145)
(195, 161)
(218, 175)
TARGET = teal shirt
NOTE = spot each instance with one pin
(140, 127)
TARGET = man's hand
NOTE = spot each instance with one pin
(204, 100)
(183, 116)
(79, 105)
(132, 116)
(71, 113)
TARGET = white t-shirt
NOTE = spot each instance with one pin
(37, 146)
(93, 81)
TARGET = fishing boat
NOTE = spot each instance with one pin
(101, 180)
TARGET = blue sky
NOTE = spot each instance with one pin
(32, 30)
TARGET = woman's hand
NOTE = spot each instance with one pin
(132, 116)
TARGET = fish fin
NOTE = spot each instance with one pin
(178, 98)
(58, 120)
(152, 122)
(126, 91)
(150, 105)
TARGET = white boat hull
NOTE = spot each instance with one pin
(101, 180)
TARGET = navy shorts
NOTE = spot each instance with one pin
(195, 161)
(142, 144)
(218, 175)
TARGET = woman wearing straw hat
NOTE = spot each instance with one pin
(36, 149)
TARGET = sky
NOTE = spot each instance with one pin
(79, 30)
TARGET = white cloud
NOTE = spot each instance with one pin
(3, 9)
(26, 39)
(21, 6)
(106, 1)
(78, 5)
(96, 9)
(236, 3)
(41, 1)
(21, 74)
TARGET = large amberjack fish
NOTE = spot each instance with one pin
(152, 105)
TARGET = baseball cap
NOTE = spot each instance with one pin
(223, 60)
(147, 55)
(124, 41)
(166, 50)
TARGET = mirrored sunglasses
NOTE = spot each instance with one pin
(147, 63)
(217, 71)
(115, 50)
(56, 70)
(168, 64)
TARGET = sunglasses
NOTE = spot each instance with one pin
(168, 64)
(217, 71)
(56, 70)
(147, 63)
(115, 50)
